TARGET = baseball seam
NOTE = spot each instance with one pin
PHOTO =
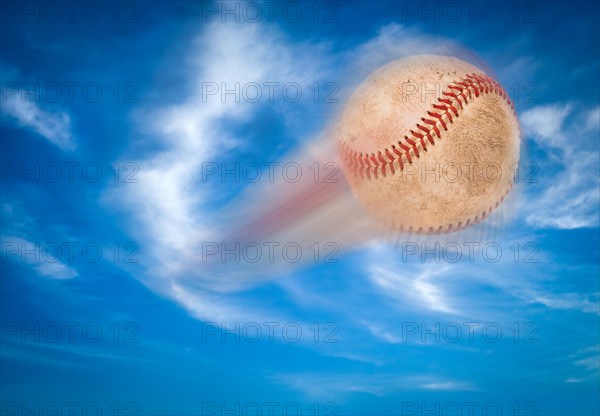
(440, 115)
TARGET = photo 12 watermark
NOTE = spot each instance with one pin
(469, 11)
(469, 408)
(269, 92)
(271, 11)
(72, 172)
(270, 332)
(269, 408)
(68, 332)
(69, 92)
(67, 12)
(67, 252)
(271, 172)
(470, 332)
(468, 251)
(269, 252)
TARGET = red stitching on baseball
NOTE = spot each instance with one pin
(442, 113)
(472, 84)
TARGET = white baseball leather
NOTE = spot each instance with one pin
(429, 144)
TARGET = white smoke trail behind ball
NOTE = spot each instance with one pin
(320, 214)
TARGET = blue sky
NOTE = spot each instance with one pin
(138, 325)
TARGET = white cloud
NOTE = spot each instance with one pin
(419, 289)
(566, 301)
(545, 123)
(592, 121)
(588, 358)
(574, 380)
(21, 250)
(450, 386)
(395, 41)
(428, 289)
(53, 126)
(410, 284)
(585, 365)
(569, 196)
(168, 207)
(312, 384)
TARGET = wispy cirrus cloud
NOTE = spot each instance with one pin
(414, 286)
(583, 302)
(569, 194)
(588, 358)
(26, 252)
(394, 41)
(311, 384)
(169, 208)
(409, 289)
(53, 125)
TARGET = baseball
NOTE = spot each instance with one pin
(429, 144)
